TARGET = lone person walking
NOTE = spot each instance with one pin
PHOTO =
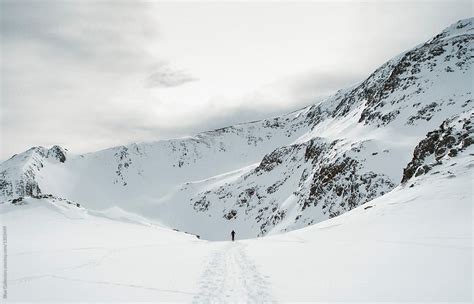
(233, 235)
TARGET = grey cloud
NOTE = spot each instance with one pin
(60, 63)
(327, 80)
(302, 89)
(91, 33)
(135, 129)
(315, 84)
(165, 77)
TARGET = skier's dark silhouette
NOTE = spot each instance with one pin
(233, 235)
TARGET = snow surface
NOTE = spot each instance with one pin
(412, 244)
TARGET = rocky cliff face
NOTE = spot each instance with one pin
(453, 137)
(286, 172)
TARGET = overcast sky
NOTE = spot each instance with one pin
(89, 75)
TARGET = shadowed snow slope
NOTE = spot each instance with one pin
(412, 244)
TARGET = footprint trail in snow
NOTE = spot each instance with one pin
(231, 276)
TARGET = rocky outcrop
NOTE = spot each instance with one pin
(451, 138)
(58, 153)
(340, 183)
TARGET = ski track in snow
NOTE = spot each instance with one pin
(231, 277)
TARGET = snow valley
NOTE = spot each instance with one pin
(364, 196)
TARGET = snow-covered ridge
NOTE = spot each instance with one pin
(276, 174)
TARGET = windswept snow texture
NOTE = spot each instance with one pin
(279, 174)
(412, 244)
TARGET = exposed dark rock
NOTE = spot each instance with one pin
(18, 201)
(452, 137)
(58, 153)
(202, 204)
(231, 214)
(270, 161)
(124, 161)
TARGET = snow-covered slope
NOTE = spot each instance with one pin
(412, 244)
(277, 174)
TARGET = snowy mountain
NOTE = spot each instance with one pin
(406, 119)
(413, 244)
